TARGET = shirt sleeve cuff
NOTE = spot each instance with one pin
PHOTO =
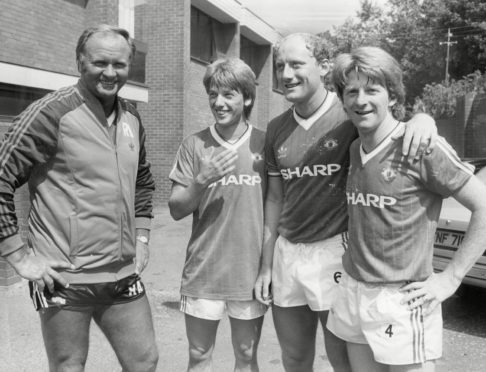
(143, 223)
(10, 244)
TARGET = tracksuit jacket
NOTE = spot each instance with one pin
(88, 194)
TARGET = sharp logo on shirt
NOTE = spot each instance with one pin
(127, 131)
(310, 171)
(242, 179)
(370, 200)
(388, 174)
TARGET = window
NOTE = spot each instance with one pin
(203, 42)
(130, 17)
(253, 54)
(211, 39)
(275, 84)
(126, 15)
(15, 98)
(81, 3)
(137, 68)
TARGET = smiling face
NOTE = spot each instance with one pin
(367, 103)
(104, 66)
(227, 106)
(299, 73)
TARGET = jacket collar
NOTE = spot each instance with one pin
(94, 104)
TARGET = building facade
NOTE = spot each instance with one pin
(175, 40)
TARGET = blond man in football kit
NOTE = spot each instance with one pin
(388, 303)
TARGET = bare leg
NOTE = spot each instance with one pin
(66, 338)
(362, 359)
(428, 366)
(335, 347)
(130, 330)
(245, 335)
(201, 334)
(296, 331)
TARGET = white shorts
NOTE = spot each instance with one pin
(215, 309)
(371, 314)
(307, 274)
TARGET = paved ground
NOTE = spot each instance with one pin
(21, 346)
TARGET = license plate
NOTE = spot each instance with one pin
(450, 239)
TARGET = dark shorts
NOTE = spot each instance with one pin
(83, 297)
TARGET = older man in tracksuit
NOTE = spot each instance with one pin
(81, 150)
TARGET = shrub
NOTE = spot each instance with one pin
(439, 99)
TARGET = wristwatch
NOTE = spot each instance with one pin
(142, 239)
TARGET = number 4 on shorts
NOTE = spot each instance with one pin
(389, 330)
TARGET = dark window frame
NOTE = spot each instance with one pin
(16, 98)
(253, 54)
(275, 85)
(138, 65)
(203, 43)
(81, 3)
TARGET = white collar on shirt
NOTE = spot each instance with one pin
(307, 123)
(231, 145)
(384, 143)
(111, 119)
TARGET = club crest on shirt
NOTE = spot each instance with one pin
(388, 174)
(330, 144)
(282, 152)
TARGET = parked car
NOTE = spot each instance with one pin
(453, 222)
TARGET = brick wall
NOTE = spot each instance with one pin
(41, 34)
(166, 31)
(100, 11)
(198, 114)
(259, 115)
